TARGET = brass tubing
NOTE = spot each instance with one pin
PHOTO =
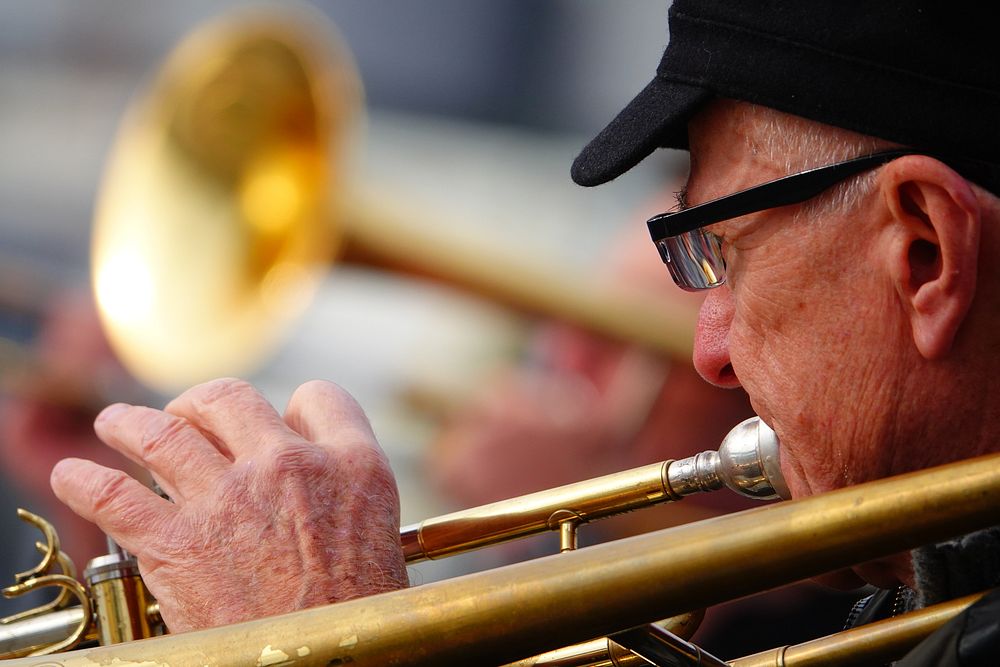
(662, 647)
(121, 601)
(872, 644)
(521, 610)
(19, 638)
(534, 513)
(381, 232)
(746, 463)
(604, 652)
(121, 607)
(595, 653)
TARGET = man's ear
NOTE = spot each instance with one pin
(933, 247)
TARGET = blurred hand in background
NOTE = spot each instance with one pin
(47, 413)
(584, 406)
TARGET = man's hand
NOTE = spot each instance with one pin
(269, 514)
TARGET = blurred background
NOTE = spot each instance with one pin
(474, 111)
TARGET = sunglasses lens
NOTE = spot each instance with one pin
(694, 259)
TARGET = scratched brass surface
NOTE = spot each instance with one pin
(537, 512)
(529, 608)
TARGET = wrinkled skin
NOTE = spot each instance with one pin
(815, 323)
(796, 322)
(269, 513)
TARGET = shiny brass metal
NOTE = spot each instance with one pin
(38, 637)
(596, 653)
(22, 637)
(29, 635)
(49, 550)
(873, 644)
(116, 607)
(209, 226)
(65, 583)
(525, 609)
(62, 599)
(745, 463)
(121, 600)
(662, 647)
(225, 198)
(604, 652)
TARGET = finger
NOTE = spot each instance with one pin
(234, 412)
(120, 506)
(325, 413)
(183, 462)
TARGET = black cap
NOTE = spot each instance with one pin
(921, 73)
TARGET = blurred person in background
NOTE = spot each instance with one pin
(582, 405)
(47, 411)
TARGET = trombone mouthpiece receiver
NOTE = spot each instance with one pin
(747, 463)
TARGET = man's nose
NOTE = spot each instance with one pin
(711, 343)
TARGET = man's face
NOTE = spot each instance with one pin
(804, 323)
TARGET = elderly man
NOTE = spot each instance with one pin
(854, 298)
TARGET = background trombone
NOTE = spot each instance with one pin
(68, 72)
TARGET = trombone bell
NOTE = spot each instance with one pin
(225, 201)
(211, 227)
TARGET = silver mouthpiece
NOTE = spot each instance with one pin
(747, 463)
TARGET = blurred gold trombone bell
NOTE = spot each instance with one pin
(226, 196)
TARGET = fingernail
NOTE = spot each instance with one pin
(112, 411)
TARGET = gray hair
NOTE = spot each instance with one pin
(797, 144)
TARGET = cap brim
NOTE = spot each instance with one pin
(656, 117)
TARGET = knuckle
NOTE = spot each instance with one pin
(298, 459)
(365, 458)
(222, 390)
(217, 399)
(215, 395)
(323, 410)
(161, 437)
(323, 392)
(110, 491)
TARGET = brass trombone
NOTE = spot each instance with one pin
(521, 610)
(527, 609)
(746, 463)
(242, 122)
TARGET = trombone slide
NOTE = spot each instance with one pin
(746, 462)
(525, 609)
